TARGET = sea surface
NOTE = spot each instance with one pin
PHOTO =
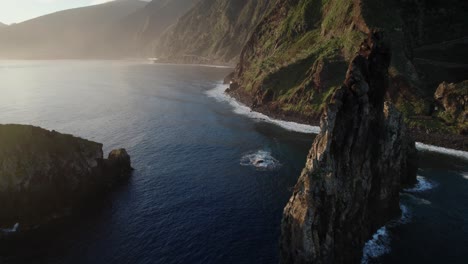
(212, 177)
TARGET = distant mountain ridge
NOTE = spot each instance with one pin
(213, 31)
(74, 33)
(114, 30)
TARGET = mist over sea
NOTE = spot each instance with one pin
(211, 179)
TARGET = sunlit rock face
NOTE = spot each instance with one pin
(45, 174)
(355, 170)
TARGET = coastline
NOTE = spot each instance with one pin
(454, 145)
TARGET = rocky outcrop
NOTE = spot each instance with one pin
(355, 170)
(452, 101)
(45, 174)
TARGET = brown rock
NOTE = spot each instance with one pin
(355, 170)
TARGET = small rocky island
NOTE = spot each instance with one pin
(46, 175)
(356, 168)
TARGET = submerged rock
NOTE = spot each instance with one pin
(355, 170)
(46, 175)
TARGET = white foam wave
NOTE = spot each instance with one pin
(261, 159)
(379, 245)
(219, 94)
(10, 230)
(465, 175)
(422, 185)
(447, 151)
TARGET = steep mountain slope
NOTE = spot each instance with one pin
(2, 25)
(139, 31)
(293, 61)
(213, 31)
(75, 33)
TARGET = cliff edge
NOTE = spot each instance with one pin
(45, 175)
(355, 170)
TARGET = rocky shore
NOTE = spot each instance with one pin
(45, 175)
(452, 141)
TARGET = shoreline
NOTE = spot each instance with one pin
(454, 145)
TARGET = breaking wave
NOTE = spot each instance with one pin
(10, 230)
(260, 159)
(447, 151)
(422, 185)
(379, 245)
(219, 94)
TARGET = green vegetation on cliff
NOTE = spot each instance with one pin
(297, 56)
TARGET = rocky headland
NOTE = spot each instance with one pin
(356, 168)
(294, 59)
(45, 175)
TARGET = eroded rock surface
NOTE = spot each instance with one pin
(355, 170)
(45, 174)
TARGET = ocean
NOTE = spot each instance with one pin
(211, 177)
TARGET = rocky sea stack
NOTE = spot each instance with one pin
(46, 175)
(355, 170)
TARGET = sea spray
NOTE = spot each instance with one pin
(379, 244)
(219, 94)
(260, 159)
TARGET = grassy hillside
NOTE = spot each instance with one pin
(213, 31)
(298, 55)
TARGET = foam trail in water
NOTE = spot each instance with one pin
(422, 185)
(379, 245)
(452, 152)
(219, 94)
(465, 175)
(261, 159)
(10, 230)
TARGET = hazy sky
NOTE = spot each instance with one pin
(14, 11)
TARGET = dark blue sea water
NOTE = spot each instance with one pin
(194, 198)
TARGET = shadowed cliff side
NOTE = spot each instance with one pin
(355, 170)
(46, 175)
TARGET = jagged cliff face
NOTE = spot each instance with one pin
(293, 62)
(355, 170)
(140, 31)
(213, 31)
(43, 174)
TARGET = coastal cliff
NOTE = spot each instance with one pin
(293, 62)
(213, 32)
(46, 175)
(356, 168)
